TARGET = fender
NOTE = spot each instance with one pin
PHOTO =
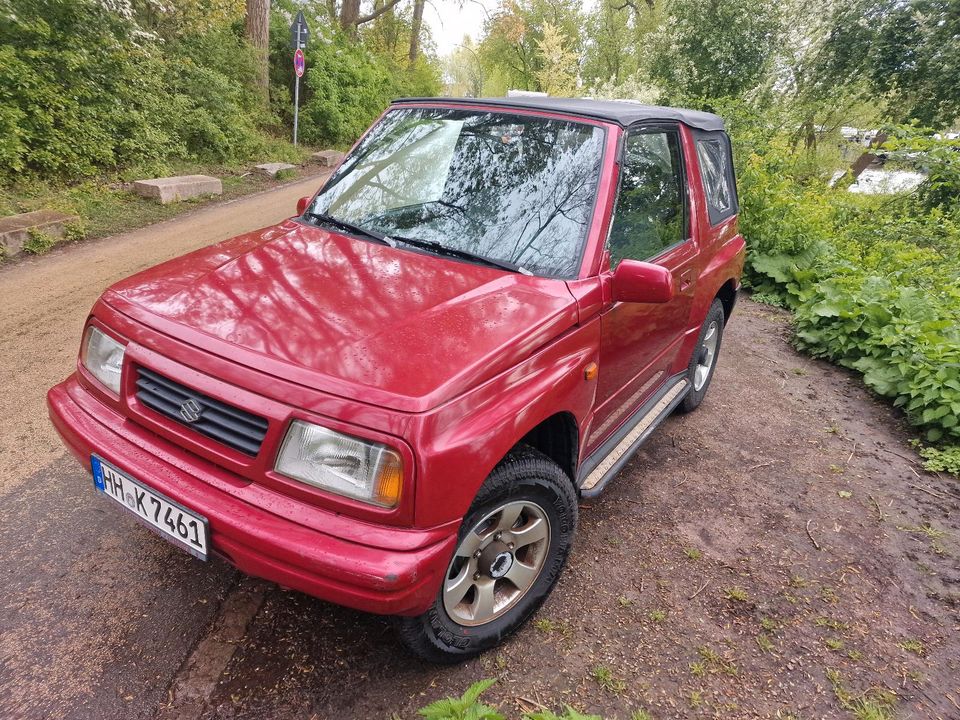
(726, 265)
(461, 442)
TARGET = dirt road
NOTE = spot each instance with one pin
(778, 553)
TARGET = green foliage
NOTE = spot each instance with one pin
(469, 707)
(38, 242)
(946, 459)
(872, 40)
(512, 47)
(466, 707)
(714, 49)
(84, 88)
(347, 84)
(874, 283)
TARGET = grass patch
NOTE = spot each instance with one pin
(834, 625)
(717, 662)
(692, 553)
(658, 616)
(835, 644)
(545, 625)
(926, 529)
(874, 704)
(607, 680)
(913, 646)
(764, 643)
(737, 594)
(769, 624)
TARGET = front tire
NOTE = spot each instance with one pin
(511, 548)
(703, 361)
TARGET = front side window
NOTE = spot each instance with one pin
(713, 152)
(649, 215)
(513, 188)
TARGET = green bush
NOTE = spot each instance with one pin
(874, 282)
(84, 89)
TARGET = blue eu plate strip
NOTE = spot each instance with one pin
(97, 469)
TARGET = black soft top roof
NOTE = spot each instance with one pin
(623, 112)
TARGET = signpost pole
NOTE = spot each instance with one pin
(296, 93)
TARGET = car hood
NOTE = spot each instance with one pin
(388, 326)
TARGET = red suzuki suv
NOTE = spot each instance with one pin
(394, 399)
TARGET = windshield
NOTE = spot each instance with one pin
(512, 188)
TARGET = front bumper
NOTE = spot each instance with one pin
(373, 568)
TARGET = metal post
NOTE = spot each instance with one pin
(296, 93)
(296, 108)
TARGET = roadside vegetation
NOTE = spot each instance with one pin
(95, 94)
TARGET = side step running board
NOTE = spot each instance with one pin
(598, 471)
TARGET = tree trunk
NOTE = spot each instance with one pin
(349, 12)
(257, 30)
(415, 30)
(350, 17)
(863, 162)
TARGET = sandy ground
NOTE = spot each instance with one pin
(778, 553)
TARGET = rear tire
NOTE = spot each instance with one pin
(511, 548)
(703, 360)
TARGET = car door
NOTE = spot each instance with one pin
(639, 341)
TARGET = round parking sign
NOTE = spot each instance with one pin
(298, 62)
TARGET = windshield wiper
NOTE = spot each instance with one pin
(351, 228)
(441, 249)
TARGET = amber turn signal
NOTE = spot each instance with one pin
(590, 372)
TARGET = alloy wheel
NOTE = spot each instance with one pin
(708, 351)
(497, 563)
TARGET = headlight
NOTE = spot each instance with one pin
(103, 357)
(343, 464)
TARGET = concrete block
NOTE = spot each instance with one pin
(174, 189)
(15, 229)
(271, 169)
(327, 158)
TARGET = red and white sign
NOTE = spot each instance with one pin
(299, 63)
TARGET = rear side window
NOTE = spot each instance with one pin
(716, 169)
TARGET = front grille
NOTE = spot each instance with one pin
(224, 423)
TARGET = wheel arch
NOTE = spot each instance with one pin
(727, 295)
(557, 437)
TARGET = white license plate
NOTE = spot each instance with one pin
(161, 514)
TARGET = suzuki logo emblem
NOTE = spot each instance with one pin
(190, 410)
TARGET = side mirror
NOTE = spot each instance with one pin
(641, 282)
(302, 204)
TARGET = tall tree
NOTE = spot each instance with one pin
(257, 31)
(558, 73)
(351, 18)
(415, 27)
(908, 52)
(715, 48)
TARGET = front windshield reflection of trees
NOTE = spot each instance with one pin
(508, 187)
